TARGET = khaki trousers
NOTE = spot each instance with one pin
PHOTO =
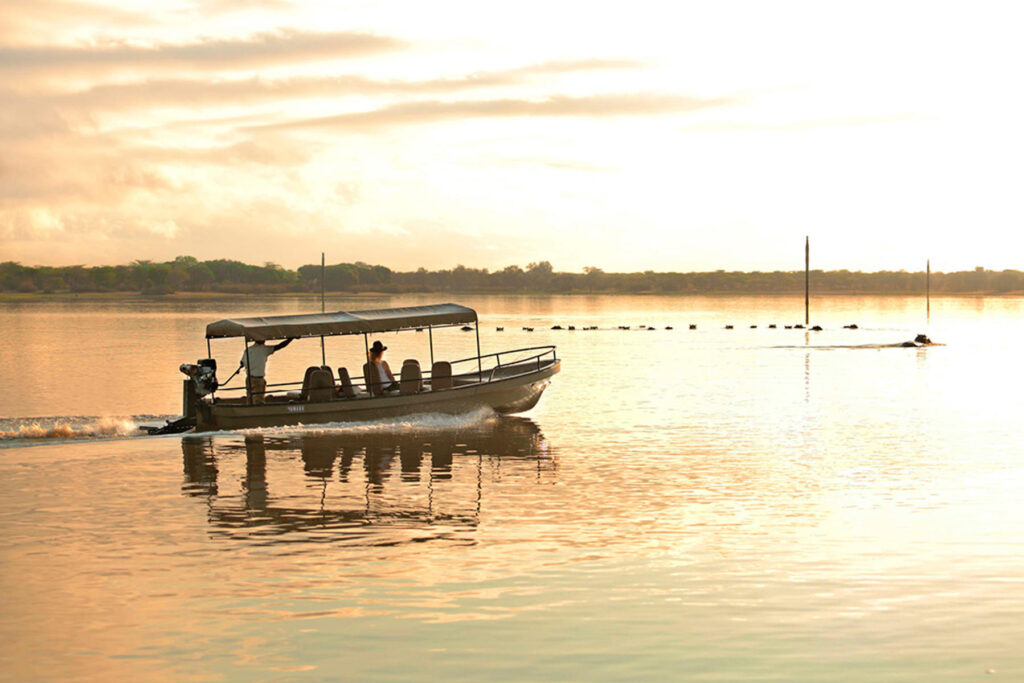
(256, 389)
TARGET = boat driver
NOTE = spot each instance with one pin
(254, 360)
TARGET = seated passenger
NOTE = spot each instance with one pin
(387, 380)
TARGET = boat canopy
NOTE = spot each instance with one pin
(341, 322)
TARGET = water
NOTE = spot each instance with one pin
(746, 504)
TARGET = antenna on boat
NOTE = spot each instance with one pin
(323, 307)
(807, 280)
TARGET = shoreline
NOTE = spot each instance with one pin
(9, 297)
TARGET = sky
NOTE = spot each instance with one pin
(668, 136)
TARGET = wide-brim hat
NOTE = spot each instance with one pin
(377, 346)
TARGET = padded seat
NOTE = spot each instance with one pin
(321, 386)
(345, 387)
(411, 379)
(441, 375)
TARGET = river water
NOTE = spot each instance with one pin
(709, 504)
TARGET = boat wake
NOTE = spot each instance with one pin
(25, 431)
(411, 424)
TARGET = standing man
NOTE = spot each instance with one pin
(254, 360)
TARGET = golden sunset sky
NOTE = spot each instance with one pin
(629, 136)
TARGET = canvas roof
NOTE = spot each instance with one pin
(340, 322)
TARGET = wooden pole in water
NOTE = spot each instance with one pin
(928, 289)
(807, 280)
(323, 308)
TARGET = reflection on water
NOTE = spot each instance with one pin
(709, 504)
(374, 488)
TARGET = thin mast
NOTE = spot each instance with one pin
(323, 291)
(928, 289)
(807, 280)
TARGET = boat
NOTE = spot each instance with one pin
(506, 382)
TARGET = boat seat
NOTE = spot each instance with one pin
(331, 373)
(372, 380)
(304, 394)
(345, 387)
(411, 379)
(411, 360)
(321, 386)
(441, 375)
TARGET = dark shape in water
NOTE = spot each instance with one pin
(728, 327)
(922, 339)
(692, 326)
(851, 326)
(753, 327)
(466, 328)
(499, 329)
(816, 328)
(668, 327)
(556, 327)
(798, 327)
(772, 326)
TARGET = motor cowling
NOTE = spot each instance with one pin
(203, 375)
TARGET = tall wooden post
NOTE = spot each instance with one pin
(807, 280)
(928, 289)
(323, 293)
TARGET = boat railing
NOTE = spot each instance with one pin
(511, 364)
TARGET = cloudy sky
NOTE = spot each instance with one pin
(629, 136)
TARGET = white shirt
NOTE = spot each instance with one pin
(385, 381)
(258, 354)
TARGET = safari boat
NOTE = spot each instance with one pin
(506, 382)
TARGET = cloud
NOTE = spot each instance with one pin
(191, 92)
(606, 105)
(37, 20)
(282, 46)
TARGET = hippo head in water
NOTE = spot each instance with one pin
(922, 339)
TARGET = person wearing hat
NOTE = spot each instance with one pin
(387, 380)
(254, 360)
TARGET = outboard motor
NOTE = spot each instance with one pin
(203, 375)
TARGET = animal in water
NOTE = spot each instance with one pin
(499, 329)
(652, 329)
(692, 326)
(909, 345)
(816, 328)
(466, 328)
(528, 329)
(798, 327)
(728, 327)
(668, 327)
(772, 326)
(922, 339)
(572, 328)
(753, 327)
(851, 326)
(789, 327)
(556, 327)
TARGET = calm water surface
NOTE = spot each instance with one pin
(746, 504)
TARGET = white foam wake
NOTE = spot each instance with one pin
(46, 428)
(426, 422)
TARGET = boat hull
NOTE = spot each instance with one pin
(511, 394)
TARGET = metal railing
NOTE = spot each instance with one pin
(503, 361)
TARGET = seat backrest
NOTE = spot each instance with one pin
(372, 378)
(441, 375)
(321, 386)
(345, 383)
(304, 395)
(331, 373)
(411, 379)
(410, 360)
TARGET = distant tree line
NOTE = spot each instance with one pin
(187, 274)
